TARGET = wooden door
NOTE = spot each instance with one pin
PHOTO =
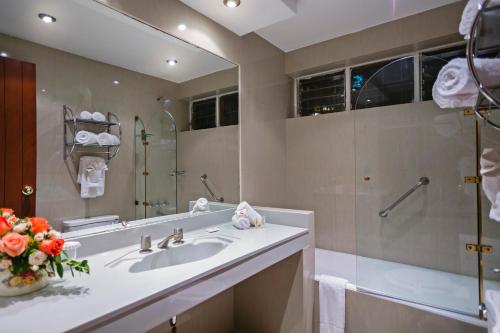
(18, 136)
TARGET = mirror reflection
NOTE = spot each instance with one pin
(127, 122)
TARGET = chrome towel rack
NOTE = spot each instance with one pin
(421, 182)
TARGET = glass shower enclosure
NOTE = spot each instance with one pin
(155, 165)
(414, 237)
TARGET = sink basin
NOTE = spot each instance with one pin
(192, 250)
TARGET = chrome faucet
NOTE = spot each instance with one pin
(176, 236)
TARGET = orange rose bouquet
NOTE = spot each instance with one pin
(31, 249)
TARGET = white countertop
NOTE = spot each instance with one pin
(72, 303)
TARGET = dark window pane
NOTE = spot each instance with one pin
(432, 62)
(322, 94)
(203, 114)
(228, 109)
(383, 83)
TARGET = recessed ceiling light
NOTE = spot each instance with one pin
(172, 62)
(47, 18)
(232, 3)
(4, 54)
(181, 27)
(43, 90)
(116, 82)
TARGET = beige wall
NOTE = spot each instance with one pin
(86, 84)
(214, 152)
(209, 84)
(428, 29)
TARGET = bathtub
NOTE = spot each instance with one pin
(442, 293)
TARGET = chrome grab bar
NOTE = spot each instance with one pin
(421, 182)
(212, 194)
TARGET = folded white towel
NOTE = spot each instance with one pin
(244, 209)
(241, 221)
(97, 116)
(490, 172)
(86, 138)
(455, 87)
(107, 139)
(331, 304)
(91, 176)
(85, 115)
(201, 205)
(469, 14)
(492, 302)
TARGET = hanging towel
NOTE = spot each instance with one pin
(107, 139)
(85, 115)
(455, 87)
(91, 176)
(97, 116)
(331, 304)
(492, 302)
(469, 14)
(490, 173)
(86, 138)
(201, 205)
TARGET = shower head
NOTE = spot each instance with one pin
(165, 102)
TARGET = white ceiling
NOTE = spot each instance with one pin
(249, 16)
(94, 31)
(320, 20)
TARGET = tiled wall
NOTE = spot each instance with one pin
(213, 152)
(330, 156)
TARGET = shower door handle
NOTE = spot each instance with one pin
(177, 173)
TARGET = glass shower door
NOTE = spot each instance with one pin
(415, 251)
(155, 166)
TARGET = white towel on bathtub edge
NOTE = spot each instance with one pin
(331, 304)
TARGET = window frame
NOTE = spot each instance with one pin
(217, 107)
(417, 65)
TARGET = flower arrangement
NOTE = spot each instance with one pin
(31, 250)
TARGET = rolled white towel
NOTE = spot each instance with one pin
(97, 116)
(244, 209)
(455, 87)
(469, 14)
(107, 139)
(85, 115)
(201, 205)
(241, 222)
(86, 138)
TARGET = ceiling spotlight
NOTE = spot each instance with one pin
(4, 54)
(43, 90)
(116, 82)
(172, 62)
(232, 3)
(47, 18)
(181, 27)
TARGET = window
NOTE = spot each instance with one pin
(432, 62)
(322, 94)
(383, 83)
(214, 111)
(228, 109)
(203, 114)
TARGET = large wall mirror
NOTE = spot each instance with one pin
(131, 123)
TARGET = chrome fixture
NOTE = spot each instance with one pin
(177, 173)
(176, 236)
(421, 182)
(145, 244)
(46, 18)
(232, 3)
(204, 178)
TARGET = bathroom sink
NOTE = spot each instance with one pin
(190, 251)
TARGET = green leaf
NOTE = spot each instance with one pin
(60, 269)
